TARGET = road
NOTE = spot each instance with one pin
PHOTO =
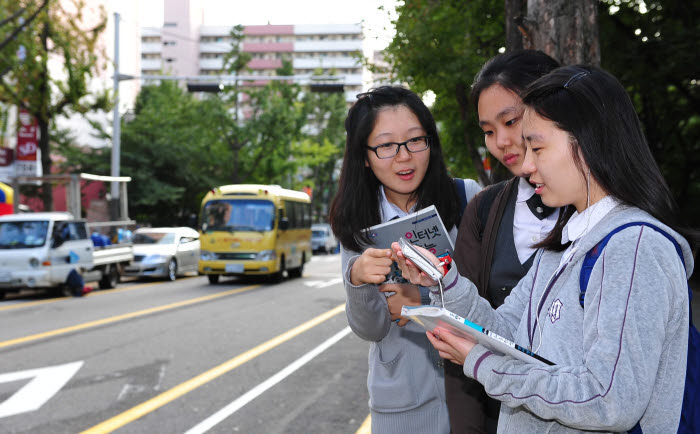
(187, 356)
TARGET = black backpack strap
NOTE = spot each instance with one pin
(486, 199)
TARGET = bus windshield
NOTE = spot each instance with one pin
(22, 235)
(238, 215)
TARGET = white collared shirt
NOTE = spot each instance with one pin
(579, 224)
(527, 228)
(389, 210)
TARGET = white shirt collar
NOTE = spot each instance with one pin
(579, 224)
(388, 209)
(525, 190)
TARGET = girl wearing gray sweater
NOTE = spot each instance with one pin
(621, 359)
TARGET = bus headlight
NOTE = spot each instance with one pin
(266, 255)
(206, 255)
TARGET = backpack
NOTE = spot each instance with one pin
(462, 193)
(690, 411)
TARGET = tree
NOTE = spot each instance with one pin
(567, 30)
(651, 47)
(323, 146)
(59, 30)
(440, 46)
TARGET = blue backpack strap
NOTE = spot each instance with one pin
(690, 412)
(462, 193)
(593, 254)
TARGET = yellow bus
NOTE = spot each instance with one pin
(251, 229)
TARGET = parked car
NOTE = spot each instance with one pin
(164, 252)
(322, 238)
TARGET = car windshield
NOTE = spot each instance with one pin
(318, 234)
(154, 238)
(238, 215)
(23, 234)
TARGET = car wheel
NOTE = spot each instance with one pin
(213, 278)
(110, 279)
(172, 270)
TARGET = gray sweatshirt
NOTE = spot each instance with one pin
(619, 360)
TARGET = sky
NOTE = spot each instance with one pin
(377, 24)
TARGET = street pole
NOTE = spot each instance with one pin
(116, 130)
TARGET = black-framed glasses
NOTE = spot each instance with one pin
(389, 150)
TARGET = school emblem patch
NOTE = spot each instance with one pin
(554, 311)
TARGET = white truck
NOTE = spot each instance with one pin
(39, 250)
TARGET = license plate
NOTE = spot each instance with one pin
(234, 268)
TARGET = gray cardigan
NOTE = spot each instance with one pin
(406, 378)
(619, 361)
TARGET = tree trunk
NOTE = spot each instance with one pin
(46, 188)
(567, 30)
(514, 12)
(43, 121)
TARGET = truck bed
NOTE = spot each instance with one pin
(113, 254)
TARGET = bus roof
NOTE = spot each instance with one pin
(257, 190)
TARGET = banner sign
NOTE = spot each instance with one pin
(27, 152)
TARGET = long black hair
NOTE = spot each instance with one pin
(356, 205)
(595, 110)
(513, 71)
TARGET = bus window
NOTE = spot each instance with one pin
(238, 215)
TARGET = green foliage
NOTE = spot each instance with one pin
(658, 67)
(439, 47)
(60, 31)
(322, 149)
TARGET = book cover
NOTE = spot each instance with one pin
(431, 317)
(422, 228)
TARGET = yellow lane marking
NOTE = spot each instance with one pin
(92, 294)
(366, 427)
(181, 389)
(113, 319)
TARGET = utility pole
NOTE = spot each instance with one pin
(116, 127)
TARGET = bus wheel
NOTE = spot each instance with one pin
(213, 278)
(297, 272)
(279, 275)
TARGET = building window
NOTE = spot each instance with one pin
(167, 43)
(169, 24)
(169, 59)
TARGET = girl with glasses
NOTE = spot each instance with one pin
(393, 166)
(619, 341)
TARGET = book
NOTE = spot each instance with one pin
(431, 317)
(422, 228)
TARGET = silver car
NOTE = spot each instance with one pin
(322, 238)
(164, 252)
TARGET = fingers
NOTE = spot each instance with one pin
(403, 321)
(371, 267)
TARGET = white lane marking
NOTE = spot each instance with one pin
(258, 390)
(45, 383)
(323, 283)
(329, 258)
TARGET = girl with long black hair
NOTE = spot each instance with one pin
(393, 166)
(621, 349)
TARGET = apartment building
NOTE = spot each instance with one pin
(330, 48)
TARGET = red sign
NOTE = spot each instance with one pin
(5, 157)
(27, 137)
